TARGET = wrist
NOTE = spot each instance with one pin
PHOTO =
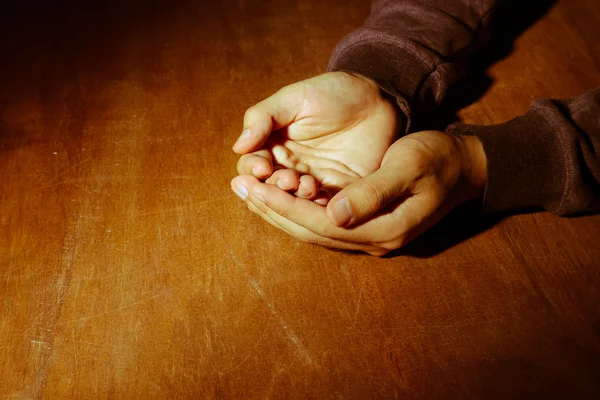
(474, 166)
(384, 95)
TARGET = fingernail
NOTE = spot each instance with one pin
(240, 190)
(341, 212)
(245, 135)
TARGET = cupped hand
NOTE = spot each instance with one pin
(421, 178)
(326, 131)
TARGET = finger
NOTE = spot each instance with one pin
(258, 164)
(323, 197)
(271, 114)
(243, 186)
(308, 188)
(367, 196)
(306, 213)
(307, 236)
(268, 219)
(285, 179)
(329, 172)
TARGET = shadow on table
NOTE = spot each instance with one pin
(461, 224)
(510, 21)
(530, 377)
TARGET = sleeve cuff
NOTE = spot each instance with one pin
(525, 165)
(394, 64)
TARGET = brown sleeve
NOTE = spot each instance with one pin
(550, 157)
(415, 49)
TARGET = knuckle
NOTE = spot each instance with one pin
(309, 238)
(420, 158)
(250, 112)
(395, 243)
(379, 252)
(242, 165)
(419, 163)
(257, 208)
(377, 194)
(284, 210)
(322, 231)
(272, 180)
(253, 208)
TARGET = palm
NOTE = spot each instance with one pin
(341, 131)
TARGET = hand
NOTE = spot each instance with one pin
(422, 177)
(333, 129)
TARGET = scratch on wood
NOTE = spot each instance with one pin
(45, 312)
(75, 354)
(135, 303)
(253, 348)
(132, 215)
(358, 304)
(292, 337)
(290, 334)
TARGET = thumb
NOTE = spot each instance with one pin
(367, 196)
(271, 114)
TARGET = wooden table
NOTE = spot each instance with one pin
(129, 270)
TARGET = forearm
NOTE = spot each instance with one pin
(415, 49)
(549, 157)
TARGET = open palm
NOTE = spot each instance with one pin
(326, 131)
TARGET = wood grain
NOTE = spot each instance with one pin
(129, 270)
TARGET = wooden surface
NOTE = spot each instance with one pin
(129, 270)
